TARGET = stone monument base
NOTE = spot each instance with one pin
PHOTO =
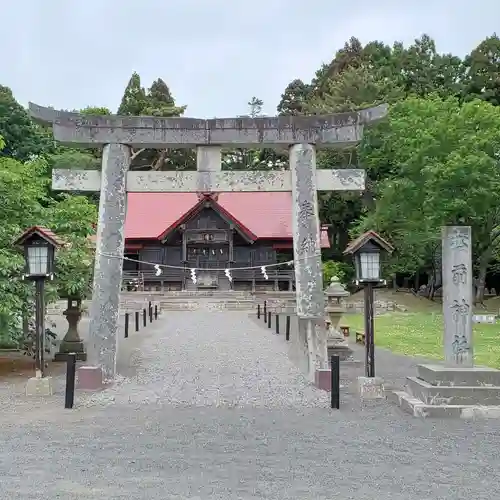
(371, 388)
(445, 391)
(89, 378)
(343, 351)
(38, 386)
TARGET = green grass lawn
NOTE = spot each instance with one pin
(421, 334)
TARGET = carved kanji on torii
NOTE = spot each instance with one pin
(302, 135)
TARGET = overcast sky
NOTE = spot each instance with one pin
(214, 54)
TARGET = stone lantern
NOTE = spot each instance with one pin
(334, 296)
(72, 341)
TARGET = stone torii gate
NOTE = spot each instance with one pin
(117, 134)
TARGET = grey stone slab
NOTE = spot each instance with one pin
(440, 375)
(347, 179)
(417, 408)
(105, 305)
(76, 180)
(457, 295)
(338, 130)
(453, 395)
(179, 182)
(41, 387)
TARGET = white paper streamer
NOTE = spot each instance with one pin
(193, 275)
(264, 273)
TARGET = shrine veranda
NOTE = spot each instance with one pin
(117, 134)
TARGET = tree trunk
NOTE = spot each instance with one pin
(481, 279)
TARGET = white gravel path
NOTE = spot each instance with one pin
(212, 358)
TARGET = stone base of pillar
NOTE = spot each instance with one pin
(451, 391)
(37, 386)
(371, 388)
(89, 378)
(323, 379)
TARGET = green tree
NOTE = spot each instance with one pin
(73, 219)
(445, 160)
(294, 99)
(483, 71)
(351, 55)
(95, 110)
(23, 139)
(134, 98)
(157, 101)
(356, 88)
(160, 101)
(255, 104)
(425, 71)
(22, 191)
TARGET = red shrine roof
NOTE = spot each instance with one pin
(260, 215)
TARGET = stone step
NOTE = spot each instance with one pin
(441, 375)
(452, 395)
(214, 305)
(417, 408)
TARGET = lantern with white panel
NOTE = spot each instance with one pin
(367, 263)
(366, 251)
(39, 245)
(39, 257)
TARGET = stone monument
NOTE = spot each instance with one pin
(457, 388)
(335, 294)
(117, 134)
(72, 343)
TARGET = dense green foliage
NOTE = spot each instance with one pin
(434, 161)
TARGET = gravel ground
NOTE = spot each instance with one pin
(242, 424)
(214, 359)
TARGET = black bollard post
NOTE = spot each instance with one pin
(258, 311)
(144, 320)
(287, 328)
(69, 397)
(265, 310)
(335, 367)
(277, 323)
(150, 314)
(269, 319)
(156, 311)
(126, 325)
(136, 321)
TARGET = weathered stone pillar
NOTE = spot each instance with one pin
(307, 256)
(457, 295)
(104, 309)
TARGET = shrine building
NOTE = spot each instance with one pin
(210, 232)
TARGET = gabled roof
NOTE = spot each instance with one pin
(211, 202)
(262, 214)
(45, 233)
(362, 239)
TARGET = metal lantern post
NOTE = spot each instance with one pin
(39, 247)
(366, 251)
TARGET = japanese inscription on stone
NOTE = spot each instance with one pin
(457, 295)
